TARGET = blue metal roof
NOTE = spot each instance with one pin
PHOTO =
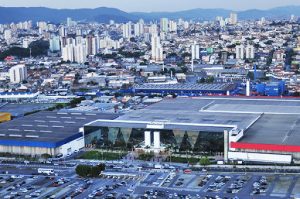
(42, 144)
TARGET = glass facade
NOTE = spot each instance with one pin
(127, 138)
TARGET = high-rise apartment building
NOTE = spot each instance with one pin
(250, 52)
(127, 30)
(164, 24)
(18, 73)
(239, 52)
(54, 43)
(91, 45)
(173, 26)
(76, 50)
(233, 18)
(139, 28)
(7, 35)
(195, 49)
(156, 49)
(153, 29)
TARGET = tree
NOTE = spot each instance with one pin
(90, 171)
(231, 46)
(92, 83)
(39, 47)
(250, 75)
(117, 94)
(173, 71)
(202, 80)
(184, 69)
(76, 101)
(204, 161)
(186, 54)
(289, 53)
(95, 171)
(102, 167)
(83, 170)
(77, 77)
(210, 79)
(269, 58)
(46, 156)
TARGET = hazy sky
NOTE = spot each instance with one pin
(153, 5)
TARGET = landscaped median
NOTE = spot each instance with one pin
(191, 160)
(101, 155)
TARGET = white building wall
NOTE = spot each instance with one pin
(147, 138)
(156, 139)
(65, 149)
(70, 147)
(18, 73)
(240, 51)
(24, 150)
(195, 51)
(260, 157)
(249, 52)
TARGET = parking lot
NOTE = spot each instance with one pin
(123, 181)
(30, 186)
(21, 181)
(219, 185)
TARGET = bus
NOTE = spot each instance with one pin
(45, 171)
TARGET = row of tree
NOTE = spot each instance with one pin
(38, 48)
(90, 171)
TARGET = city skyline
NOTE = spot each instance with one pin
(149, 99)
(154, 6)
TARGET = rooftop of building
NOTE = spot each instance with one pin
(274, 129)
(212, 114)
(187, 86)
(17, 109)
(47, 128)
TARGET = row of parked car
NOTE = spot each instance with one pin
(260, 186)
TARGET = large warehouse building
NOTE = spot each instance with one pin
(187, 89)
(252, 130)
(53, 133)
(259, 130)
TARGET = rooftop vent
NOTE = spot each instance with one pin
(208, 120)
(134, 116)
(15, 135)
(32, 136)
(183, 119)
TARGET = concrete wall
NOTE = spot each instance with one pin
(295, 155)
(65, 149)
(260, 157)
(70, 147)
(24, 150)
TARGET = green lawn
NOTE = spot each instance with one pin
(96, 155)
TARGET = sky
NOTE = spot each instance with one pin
(152, 5)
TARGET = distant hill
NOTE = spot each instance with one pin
(104, 14)
(209, 14)
(199, 13)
